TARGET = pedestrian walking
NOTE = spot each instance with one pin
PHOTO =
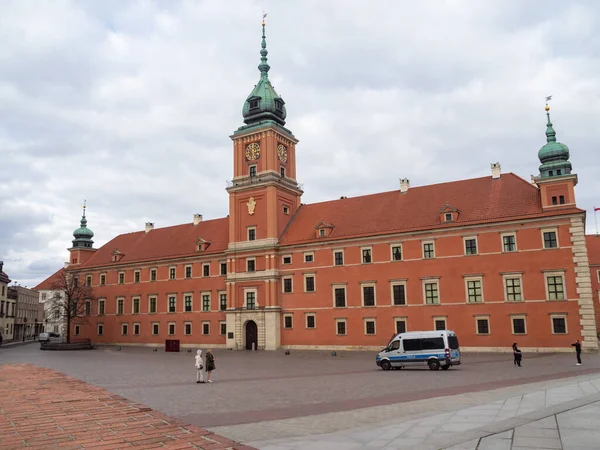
(0, 338)
(199, 367)
(210, 365)
(577, 346)
(517, 355)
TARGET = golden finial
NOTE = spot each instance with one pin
(547, 100)
(263, 19)
(547, 108)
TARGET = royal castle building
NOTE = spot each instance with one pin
(497, 259)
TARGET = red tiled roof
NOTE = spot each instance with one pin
(4, 278)
(593, 248)
(478, 200)
(168, 242)
(46, 285)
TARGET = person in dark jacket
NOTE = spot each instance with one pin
(210, 365)
(517, 355)
(577, 346)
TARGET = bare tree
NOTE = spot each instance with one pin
(69, 299)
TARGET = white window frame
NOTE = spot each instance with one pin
(308, 275)
(120, 299)
(221, 263)
(362, 293)
(139, 328)
(202, 295)
(185, 271)
(398, 283)
(370, 319)
(338, 250)
(474, 278)
(444, 318)
(221, 323)
(283, 259)
(155, 324)
(322, 232)
(88, 277)
(150, 298)
(339, 286)
(139, 276)
(119, 275)
(174, 325)
(392, 247)
(251, 258)
(286, 209)
(103, 279)
(155, 271)
(246, 291)
(548, 230)
(291, 316)
(559, 316)
(173, 269)
(426, 281)
(400, 319)
(100, 329)
(185, 325)
(125, 329)
(555, 273)
(478, 317)
(311, 254)
(77, 330)
(205, 322)
(345, 322)
(219, 294)
(253, 228)
(514, 235)
(423, 243)
(510, 276)
(133, 299)
(283, 280)
(306, 316)
(512, 323)
(169, 296)
(103, 302)
(470, 238)
(362, 256)
(598, 276)
(203, 266)
(187, 294)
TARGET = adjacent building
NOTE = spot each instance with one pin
(53, 320)
(7, 307)
(29, 314)
(498, 259)
(593, 247)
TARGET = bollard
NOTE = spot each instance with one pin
(287, 352)
(253, 346)
(333, 354)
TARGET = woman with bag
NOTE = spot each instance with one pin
(210, 365)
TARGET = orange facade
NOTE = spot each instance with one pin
(496, 259)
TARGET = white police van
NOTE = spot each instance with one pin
(421, 348)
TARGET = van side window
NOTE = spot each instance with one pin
(395, 345)
(436, 343)
(412, 345)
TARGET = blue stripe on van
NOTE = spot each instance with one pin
(417, 357)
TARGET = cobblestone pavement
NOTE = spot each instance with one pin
(565, 415)
(41, 408)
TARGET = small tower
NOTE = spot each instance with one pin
(82, 244)
(555, 181)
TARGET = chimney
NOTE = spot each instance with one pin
(495, 170)
(404, 185)
(149, 226)
(197, 219)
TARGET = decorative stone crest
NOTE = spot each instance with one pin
(251, 205)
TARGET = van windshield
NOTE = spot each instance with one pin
(453, 342)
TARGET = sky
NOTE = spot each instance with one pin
(130, 104)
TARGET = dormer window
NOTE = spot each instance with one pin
(201, 245)
(278, 105)
(323, 229)
(254, 103)
(558, 172)
(448, 217)
(448, 213)
(322, 232)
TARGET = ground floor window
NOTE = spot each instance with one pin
(440, 323)
(136, 329)
(559, 325)
(370, 326)
(205, 328)
(100, 329)
(288, 321)
(400, 325)
(483, 325)
(188, 328)
(155, 329)
(76, 330)
(518, 325)
(223, 328)
(340, 327)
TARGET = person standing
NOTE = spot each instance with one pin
(517, 355)
(577, 346)
(210, 365)
(199, 367)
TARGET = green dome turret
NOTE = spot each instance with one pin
(554, 156)
(264, 104)
(83, 235)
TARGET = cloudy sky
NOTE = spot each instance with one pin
(129, 104)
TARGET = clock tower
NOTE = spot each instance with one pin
(263, 196)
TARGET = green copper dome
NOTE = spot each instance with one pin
(554, 156)
(264, 104)
(83, 235)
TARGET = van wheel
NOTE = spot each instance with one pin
(446, 367)
(386, 365)
(433, 364)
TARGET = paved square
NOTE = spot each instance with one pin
(41, 408)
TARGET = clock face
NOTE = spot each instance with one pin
(282, 153)
(252, 151)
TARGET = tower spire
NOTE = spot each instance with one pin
(83, 235)
(263, 66)
(554, 156)
(550, 133)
